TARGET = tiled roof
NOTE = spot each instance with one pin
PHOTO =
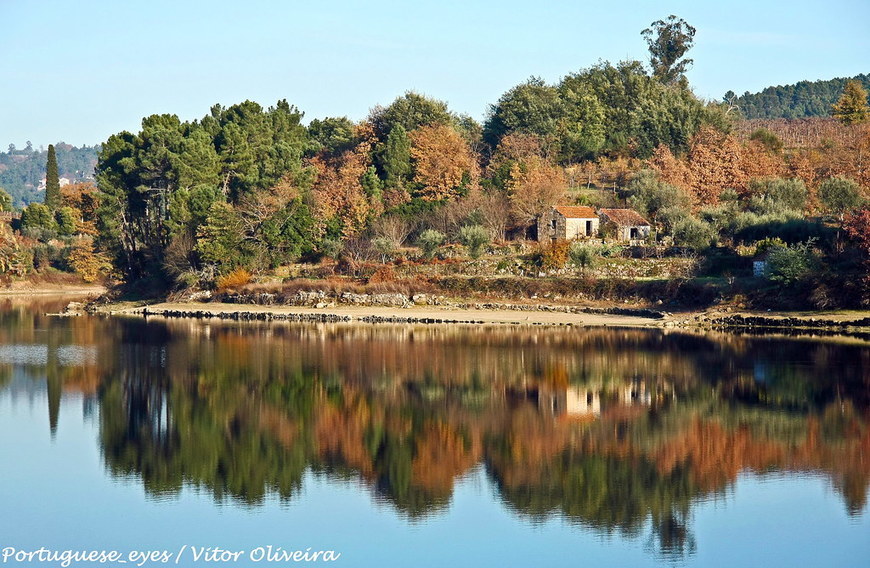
(576, 212)
(624, 217)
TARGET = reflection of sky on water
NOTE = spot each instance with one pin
(38, 355)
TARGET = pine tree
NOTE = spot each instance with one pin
(52, 181)
(852, 107)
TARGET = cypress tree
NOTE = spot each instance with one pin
(52, 181)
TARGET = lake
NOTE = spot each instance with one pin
(213, 443)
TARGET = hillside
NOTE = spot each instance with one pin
(802, 100)
(22, 169)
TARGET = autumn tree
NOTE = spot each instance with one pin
(714, 165)
(411, 111)
(339, 196)
(534, 187)
(668, 42)
(444, 166)
(52, 180)
(852, 108)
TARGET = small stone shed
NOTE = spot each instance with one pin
(567, 222)
(630, 226)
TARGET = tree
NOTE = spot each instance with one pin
(38, 216)
(412, 110)
(668, 42)
(534, 186)
(474, 237)
(5, 200)
(429, 240)
(582, 255)
(444, 166)
(396, 157)
(52, 180)
(851, 108)
(649, 195)
(840, 195)
(693, 233)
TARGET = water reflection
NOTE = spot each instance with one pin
(612, 430)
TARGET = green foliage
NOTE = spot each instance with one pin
(220, 240)
(791, 264)
(52, 180)
(840, 195)
(159, 184)
(777, 195)
(583, 256)
(331, 135)
(411, 111)
(692, 233)
(385, 247)
(429, 240)
(38, 216)
(66, 220)
(5, 200)
(803, 99)
(474, 238)
(668, 42)
(395, 157)
(330, 248)
(649, 195)
(851, 107)
(767, 138)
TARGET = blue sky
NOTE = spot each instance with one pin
(81, 71)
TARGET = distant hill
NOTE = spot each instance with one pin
(801, 100)
(22, 169)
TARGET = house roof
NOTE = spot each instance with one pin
(624, 217)
(576, 212)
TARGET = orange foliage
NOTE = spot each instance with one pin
(715, 164)
(534, 186)
(442, 161)
(338, 192)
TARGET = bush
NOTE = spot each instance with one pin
(235, 279)
(840, 195)
(38, 216)
(331, 248)
(429, 241)
(693, 233)
(384, 247)
(583, 256)
(776, 195)
(474, 237)
(792, 264)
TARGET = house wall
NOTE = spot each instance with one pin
(624, 233)
(576, 228)
(546, 232)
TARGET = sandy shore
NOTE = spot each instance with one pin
(52, 290)
(357, 313)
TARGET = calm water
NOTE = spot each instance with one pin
(432, 446)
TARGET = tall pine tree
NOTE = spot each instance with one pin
(52, 181)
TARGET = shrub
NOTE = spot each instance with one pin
(331, 248)
(384, 246)
(840, 195)
(235, 279)
(791, 264)
(583, 255)
(474, 237)
(693, 233)
(429, 241)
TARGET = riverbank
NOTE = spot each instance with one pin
(23, 289)
(384, 314)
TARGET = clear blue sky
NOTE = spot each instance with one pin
(79, 71)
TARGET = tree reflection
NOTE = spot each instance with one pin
(613, 430)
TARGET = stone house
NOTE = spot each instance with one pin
(627, 223)
(567, 222)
